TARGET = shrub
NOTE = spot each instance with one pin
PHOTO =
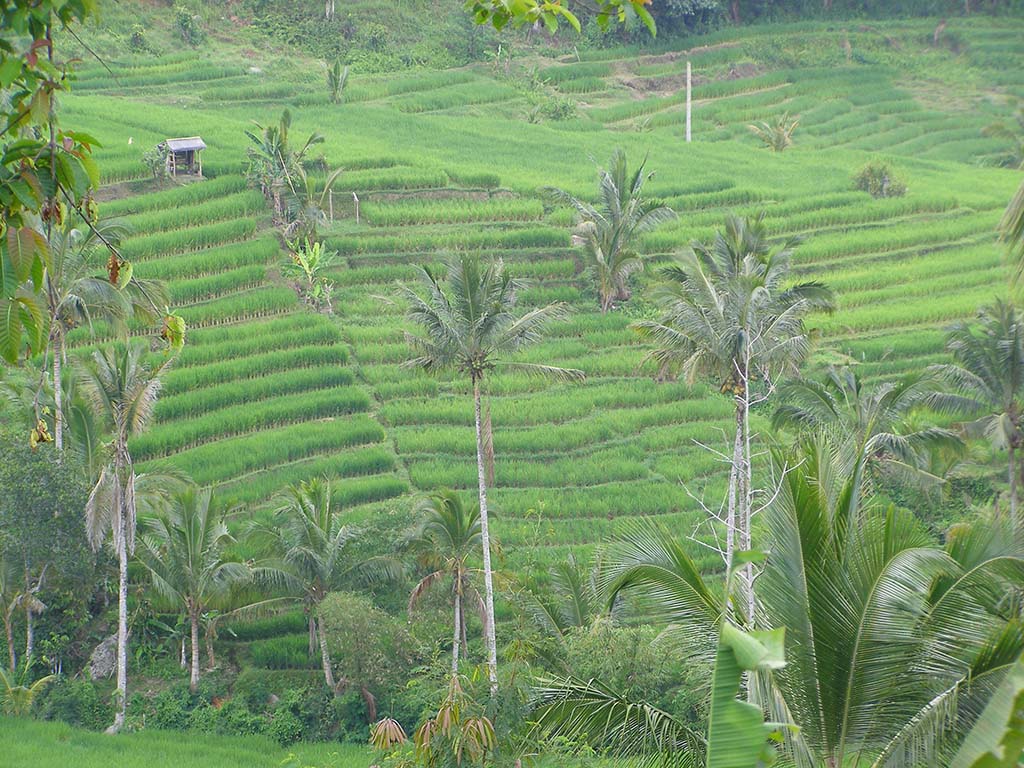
(137, 42)
(188, 25)
(75, 702)
(285, 728)
(233, 718)
(171, 710)
(878, 181)
(259, 688)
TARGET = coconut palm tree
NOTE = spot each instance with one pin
(575, 599)
(731, 313)
(444, 542)
(76, 294)
(894, 642)
(471, 325)
(989, 379)
(184, 552)
(309, 544)
(873, 422)
(121, 389)
(16, 695)
(608, 231)
(1011, 231)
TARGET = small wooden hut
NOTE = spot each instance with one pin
(183, 156)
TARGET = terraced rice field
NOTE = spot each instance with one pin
(267, 393)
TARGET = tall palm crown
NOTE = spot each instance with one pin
(608, 231)
(873, 422)
(446, 539)
(310, 543)
(576, 599)
(121, 390)
(989, 379)
(894, 643)
(471, 325)
(76, 294)
(1011, 230)
(728, 311)
(184, 552)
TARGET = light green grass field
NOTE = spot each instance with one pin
(33, 744)
(267, 393)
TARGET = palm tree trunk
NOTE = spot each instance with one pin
(122, 612)
(193, 680)
(747, 506)
(12, 657)
(30, 634)
(734, 478)
(325, 655)
(489, 636)
(1013, 482)
(211, 659)
(58, 394)
(462, 627)
(457, 634)
(738, 537)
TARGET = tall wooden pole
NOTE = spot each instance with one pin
(688, 101)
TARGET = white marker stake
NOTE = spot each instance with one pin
(688, 93)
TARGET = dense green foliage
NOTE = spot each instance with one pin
(889, 185)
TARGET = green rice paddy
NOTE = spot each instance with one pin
(267, 393)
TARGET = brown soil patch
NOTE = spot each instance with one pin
(436, 194)
(664, 58)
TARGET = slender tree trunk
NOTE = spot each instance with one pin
(462, 627)
(211, 659)
(489, 635)
(12, 657)
(325, 655)
(371, 703)
(58, 394)
(730, 519)
(184, 660)
(313, 640)
(1013, 482)
(122, 613)
(457, 634)
(746, 524)
(193, 680)
(30, 634)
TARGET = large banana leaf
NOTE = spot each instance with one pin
(737, 733)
